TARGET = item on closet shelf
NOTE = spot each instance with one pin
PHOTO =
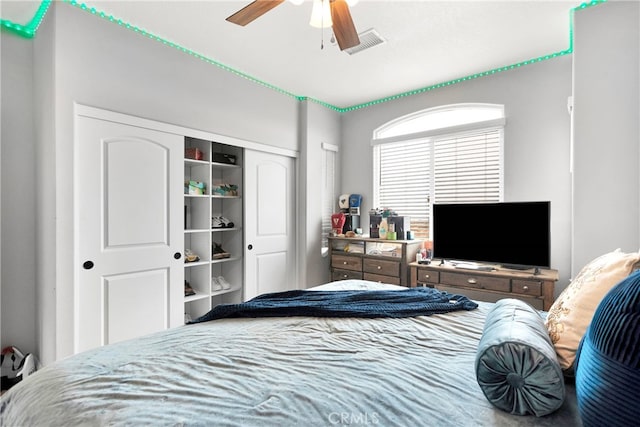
(223, 282)
(215, 284)
(196, 188)
(190, 256)
(193, 153)
(228, 159)
(218, 252)
(221, 222)
(225, 190)
(188, 290)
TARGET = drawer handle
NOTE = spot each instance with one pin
(379, 267)
(345, 276)
(344, 262)
(525, 288)
(426, 276)
(472, 281)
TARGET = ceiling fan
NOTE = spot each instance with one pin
(343, 27)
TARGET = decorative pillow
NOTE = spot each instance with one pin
(608, 360)
(516, 365)
(570, 315)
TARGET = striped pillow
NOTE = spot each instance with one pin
(607, 364)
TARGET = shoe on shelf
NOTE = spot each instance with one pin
(190, 256)
(188, 290)
(223, 282)
(215, 284)
(218, 252)
(226, 222)
(220, 222)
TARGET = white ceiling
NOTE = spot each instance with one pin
(427, 42)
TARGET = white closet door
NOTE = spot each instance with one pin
(129, 211)
(269, 223)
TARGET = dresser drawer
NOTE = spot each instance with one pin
(425, 275)
(345, 262)
(338, 274)
(476, 281)
(376, 266)
(526, 287)
(381, 278)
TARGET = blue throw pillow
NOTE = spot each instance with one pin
(516, 364)
(608, 359)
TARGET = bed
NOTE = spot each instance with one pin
(279, 371)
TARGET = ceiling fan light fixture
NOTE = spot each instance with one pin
(321, 14)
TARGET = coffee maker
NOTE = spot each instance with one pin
(349, 204)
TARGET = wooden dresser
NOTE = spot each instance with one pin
(536, 289)
(378, 260)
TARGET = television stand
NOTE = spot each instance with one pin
(536, 288)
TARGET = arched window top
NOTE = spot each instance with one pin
(447, 118)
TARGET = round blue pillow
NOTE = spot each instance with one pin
(607, 363)
(516, 364)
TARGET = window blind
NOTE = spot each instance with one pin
(328, 193)
(452, 168)
(467, 168)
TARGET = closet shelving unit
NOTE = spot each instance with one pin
(199, 234)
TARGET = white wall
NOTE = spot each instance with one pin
(18, 214)
(537, 136)
(606, 137)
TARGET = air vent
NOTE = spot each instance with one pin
(368, 38)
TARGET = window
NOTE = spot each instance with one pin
(443, 155)
(328, 191)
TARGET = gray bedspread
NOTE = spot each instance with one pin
(292, 371)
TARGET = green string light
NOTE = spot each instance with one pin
(29, 31)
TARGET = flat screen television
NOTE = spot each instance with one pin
(512, 234)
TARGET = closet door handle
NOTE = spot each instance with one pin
(87, 265)
(250, 247)
(177, 255)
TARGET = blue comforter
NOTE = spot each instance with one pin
(352, 303)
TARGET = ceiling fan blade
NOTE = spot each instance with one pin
(343, 27)
(253, 10)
